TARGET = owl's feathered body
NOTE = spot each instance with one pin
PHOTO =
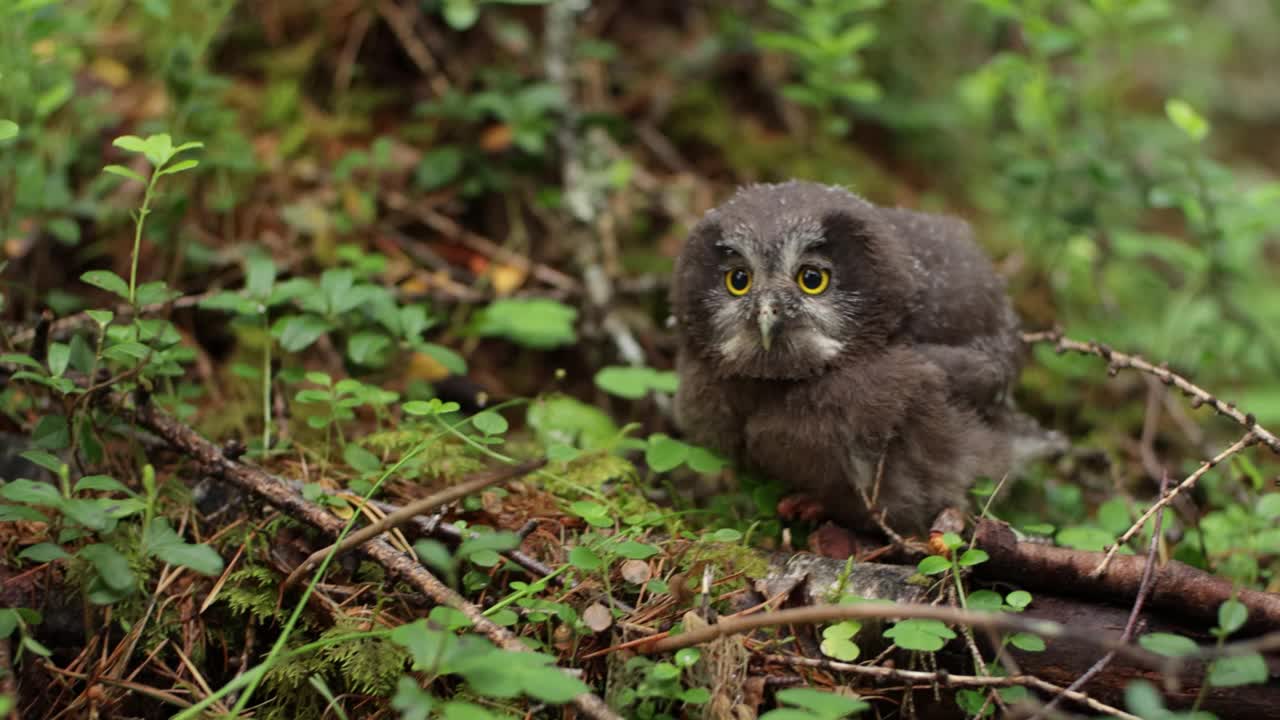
(860, 341)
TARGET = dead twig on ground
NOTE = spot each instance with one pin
(408, 512)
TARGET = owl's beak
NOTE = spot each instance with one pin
(768, 319)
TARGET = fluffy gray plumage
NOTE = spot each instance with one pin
(907, 355)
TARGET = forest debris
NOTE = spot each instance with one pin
(278, 493)
(1178, 588)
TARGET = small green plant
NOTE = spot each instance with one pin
(811, 704)
(79, 513)
(661, 687)
(158, 150)
(825, 38)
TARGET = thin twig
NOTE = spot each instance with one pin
(1144, 589)
(1117, 360)
(412, 510)
(946, 679)
(1244, 442)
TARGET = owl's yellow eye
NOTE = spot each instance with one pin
(738, 281)
(813, 280)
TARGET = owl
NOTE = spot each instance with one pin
(861, 355)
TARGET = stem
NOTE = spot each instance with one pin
(266, 387)
(137, 236)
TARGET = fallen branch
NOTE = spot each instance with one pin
(1178, 588)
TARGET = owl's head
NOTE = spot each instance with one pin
(781, 281)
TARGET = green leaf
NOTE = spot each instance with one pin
(1168, 644)
(439, 167)
(842, 630)
(18, 513)
(297, 332)
(361, 459)
(973, 556)
(104, 483)
(664, 453)
(430, 407)
(112, 567)
(984, 600)
(1231, 616)
(1085, 538)
(169, 547)
(538, 323)
(687, 657)
(633, 550)
(8, 130)
(435, 555)
(703, 460)
(951, 540)
(933, 565)
(180, 166)
(627, 382)
(726, 535)
(155, 293)
(427, 647)
(108, 281)
(492, 542)
(20, 359)
(461, 14)
(366, 347)
(44, 552)
(102, 317)
(825, 705)
(1269, 506)
(158, 148)
(841, 649)
(51, 433)
(124, 172)
(489, 422)
(584, 558)
(1018, 598)
(1186, 118)
(1027, 641)
(412, 701)
(924, 635)
(452, 361)
(1238, 670)
(31, 493)
(594, 513)
(131, 143)
(92, 513)
(551, 684)
(44, 460)
(695, 696)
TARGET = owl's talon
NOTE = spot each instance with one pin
(800, 507)
(831, 540)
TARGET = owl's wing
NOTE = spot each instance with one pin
(960, 318)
